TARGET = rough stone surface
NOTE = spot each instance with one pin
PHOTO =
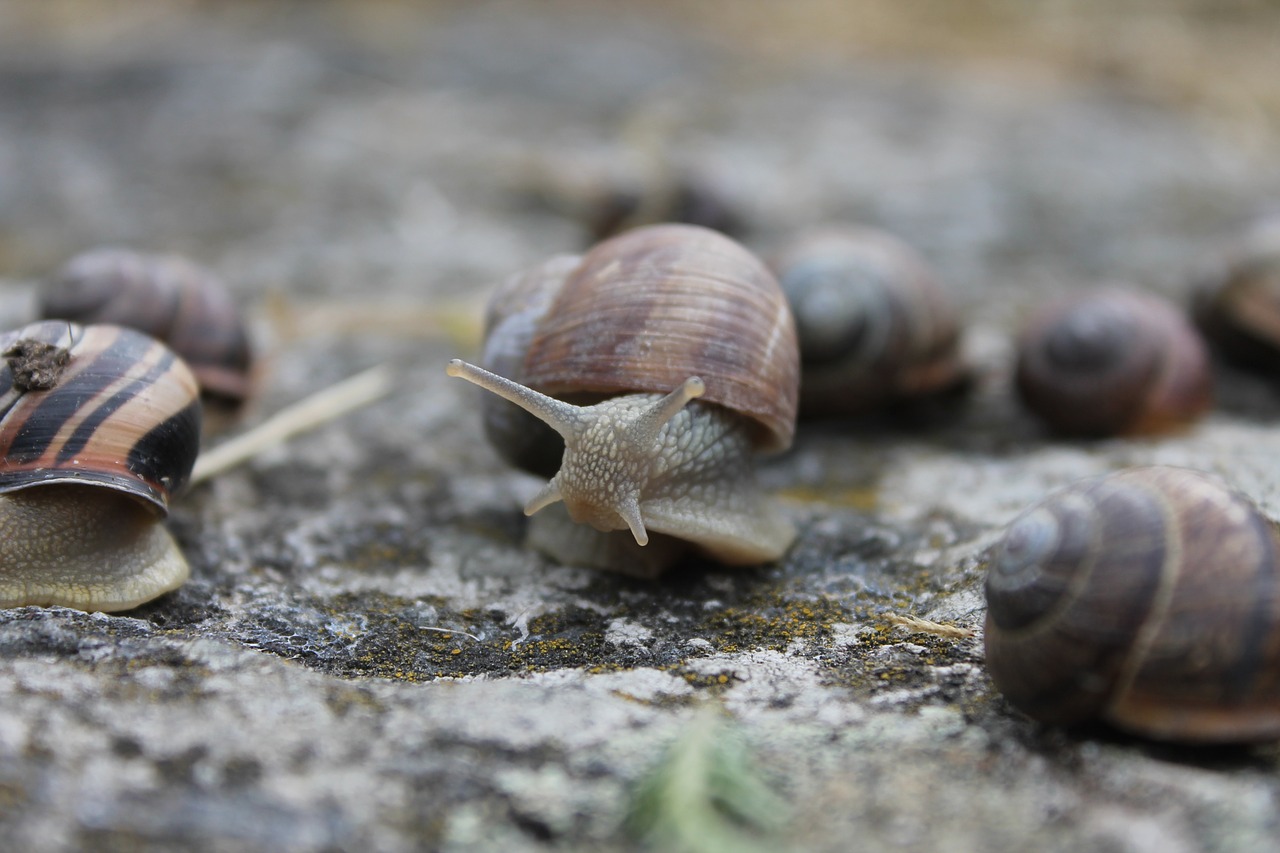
(366, 658)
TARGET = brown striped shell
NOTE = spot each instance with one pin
(116, 409)
(1113, 361)
(1147, 598)
(876, 325)
(166, 296)
(647, 309)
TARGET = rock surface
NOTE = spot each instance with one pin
(366, 657)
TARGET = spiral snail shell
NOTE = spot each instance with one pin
(1113, 361)
(165, 296)
(1237, 305)
(680, 348)
(99, 426)
(875, 324)
(1147, 598)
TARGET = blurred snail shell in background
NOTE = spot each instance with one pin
(876, 326)
(1113, 362)
(679, 341)
(99, 427)
(1147, 598)
(166, 296)
(674, 197)
(1237, 306)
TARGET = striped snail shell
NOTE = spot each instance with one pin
(166, 296)
(1237, 305)
(99, 426)
(876, 325)
(632, 332)
(1113, 361)
(1148, 599)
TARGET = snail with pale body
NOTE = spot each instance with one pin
(1113, 361)
(876, 326)
(166, 296)
(1147, 598)
(664, 358)
(99, 425)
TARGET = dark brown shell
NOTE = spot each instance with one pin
(1148, 598)
(1113, 362)
(647, 309)
(1237, 306)
(123, 412)
(875, 324)
(166, 296)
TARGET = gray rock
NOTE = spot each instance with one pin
(367, 658)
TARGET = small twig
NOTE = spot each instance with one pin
(450, 631)
(308, 413)
(924, 626)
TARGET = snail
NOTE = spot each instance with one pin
(1147, 598)
(680, 197)
(166, 296)
(664, 358)
(875, 324)
(1113, 361)
(1237, 305)
(99, 425)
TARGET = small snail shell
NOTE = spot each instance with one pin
(670, 197)
(875, 324)
(1113, 362)
(1148, 598)
(166, 296)
(1238, 305)
(99, 425)
(638, 328)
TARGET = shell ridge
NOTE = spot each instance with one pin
(54, 411)
(1148, 633)
(111, 404)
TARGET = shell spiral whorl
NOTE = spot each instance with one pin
(125, 413)
(1112, 361)
(1149, 598)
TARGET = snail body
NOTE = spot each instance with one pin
(167, 297)
(1147, 598)
(91, 449)
(875, 325)
(664, 359)
(1237, 306)
(1113, 361)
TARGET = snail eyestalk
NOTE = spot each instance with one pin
(610, 447)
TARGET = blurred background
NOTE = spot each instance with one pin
(318, 148)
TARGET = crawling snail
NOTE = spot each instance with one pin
(1237, 305)
(99, 425)
(1147, 598)
(166, 296)
(1113, 362)
(671, 355)
(875, 325)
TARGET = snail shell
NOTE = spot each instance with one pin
(1113, 362)
(635, 329)
(99, 426)
(166, 296)
(514, 313)
(1148, 598)
(875, 324)
(1237, 306)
